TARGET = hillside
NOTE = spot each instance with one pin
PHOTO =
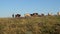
(36, 25)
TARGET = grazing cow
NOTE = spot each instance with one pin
(35, 14)
(27, 15)
(17, 15)
(31, 14)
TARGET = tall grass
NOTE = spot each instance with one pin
(36, 25)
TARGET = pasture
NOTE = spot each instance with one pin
(36, 25)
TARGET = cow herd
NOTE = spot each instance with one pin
(27, 15)
(32, 15)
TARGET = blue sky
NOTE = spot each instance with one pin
(9, 7)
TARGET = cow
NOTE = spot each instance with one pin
(27, 15)
(17, 15)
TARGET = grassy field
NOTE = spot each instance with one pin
(36, 25)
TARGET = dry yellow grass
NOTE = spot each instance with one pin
(37, 25)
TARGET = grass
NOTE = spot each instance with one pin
(36, 25)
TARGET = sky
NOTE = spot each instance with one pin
(9, 7)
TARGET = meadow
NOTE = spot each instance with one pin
(33, 25)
